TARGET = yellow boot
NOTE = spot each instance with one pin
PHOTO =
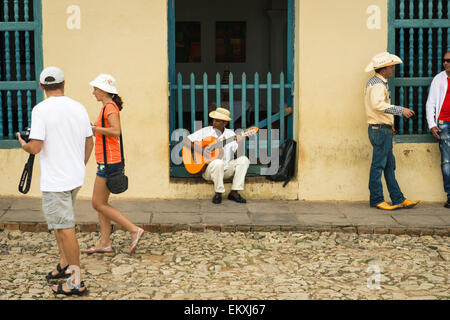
(386, 206)
(408, 204)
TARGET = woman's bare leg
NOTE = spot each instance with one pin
(107, 213)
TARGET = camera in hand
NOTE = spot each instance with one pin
(25, 134)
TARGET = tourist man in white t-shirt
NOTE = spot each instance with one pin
(61, 133)
(224, 167)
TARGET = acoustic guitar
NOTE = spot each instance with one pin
(208, 150)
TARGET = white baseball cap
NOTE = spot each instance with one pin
(51, 75)
(106, 83)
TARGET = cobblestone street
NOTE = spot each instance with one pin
(212, 265)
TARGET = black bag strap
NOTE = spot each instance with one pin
(26, 175)
(104, 140)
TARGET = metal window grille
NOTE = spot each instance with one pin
(270, 98)
(20, 64)
(419, 33)
(259, 92)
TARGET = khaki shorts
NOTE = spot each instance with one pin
(58, 209)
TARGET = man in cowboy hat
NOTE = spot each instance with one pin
(380, 117)
(224, 167)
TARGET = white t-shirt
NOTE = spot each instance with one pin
(229, 149)
(63, 125)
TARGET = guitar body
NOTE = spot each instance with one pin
(194, 163)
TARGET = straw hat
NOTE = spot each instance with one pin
(381, 60)
(106, 83)
(220, 114)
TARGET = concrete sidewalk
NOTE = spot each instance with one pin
(257, 215)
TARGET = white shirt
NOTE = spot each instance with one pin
(436, 98)
(63, 125)
(229, 149)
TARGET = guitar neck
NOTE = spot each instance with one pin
(223, 143)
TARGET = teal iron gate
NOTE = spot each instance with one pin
(261, 92)
(244, 88)
(419, 33)
(20, 64)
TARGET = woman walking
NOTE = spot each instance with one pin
(105, 92)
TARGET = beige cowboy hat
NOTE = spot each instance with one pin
(381, 60)
(220, 114)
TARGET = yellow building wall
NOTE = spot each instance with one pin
(335, 152)
(128, 39)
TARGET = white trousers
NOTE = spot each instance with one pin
(238, 168)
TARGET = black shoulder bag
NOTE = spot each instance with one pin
(117, 182)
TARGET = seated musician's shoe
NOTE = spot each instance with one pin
(217, 199)
(386, 206)
(237, 198)
(447, 204)
(408, 204)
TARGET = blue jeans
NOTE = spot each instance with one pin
(444, 146)
(383, 160)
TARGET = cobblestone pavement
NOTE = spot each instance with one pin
(211, 265)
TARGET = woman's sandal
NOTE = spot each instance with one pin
(61, 273)
(104, 250)
(73, 291)
(134, 244)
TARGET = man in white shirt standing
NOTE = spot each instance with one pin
(224, 167)
(61, 133)
(438, 118)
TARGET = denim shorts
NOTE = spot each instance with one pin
(102, 171)
(58, 209)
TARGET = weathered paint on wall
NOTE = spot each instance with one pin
(335, 152)
(128, 39)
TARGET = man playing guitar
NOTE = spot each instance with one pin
(224, 167)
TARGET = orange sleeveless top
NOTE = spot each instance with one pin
(112, 143)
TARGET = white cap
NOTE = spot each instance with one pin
(106, 83)
(54, 72)
(383, 59)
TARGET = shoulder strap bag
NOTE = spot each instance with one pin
(117, 182)
(286, 163)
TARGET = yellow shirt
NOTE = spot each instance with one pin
(377, 99)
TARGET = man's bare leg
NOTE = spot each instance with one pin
(62, 258)
(71, 251)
